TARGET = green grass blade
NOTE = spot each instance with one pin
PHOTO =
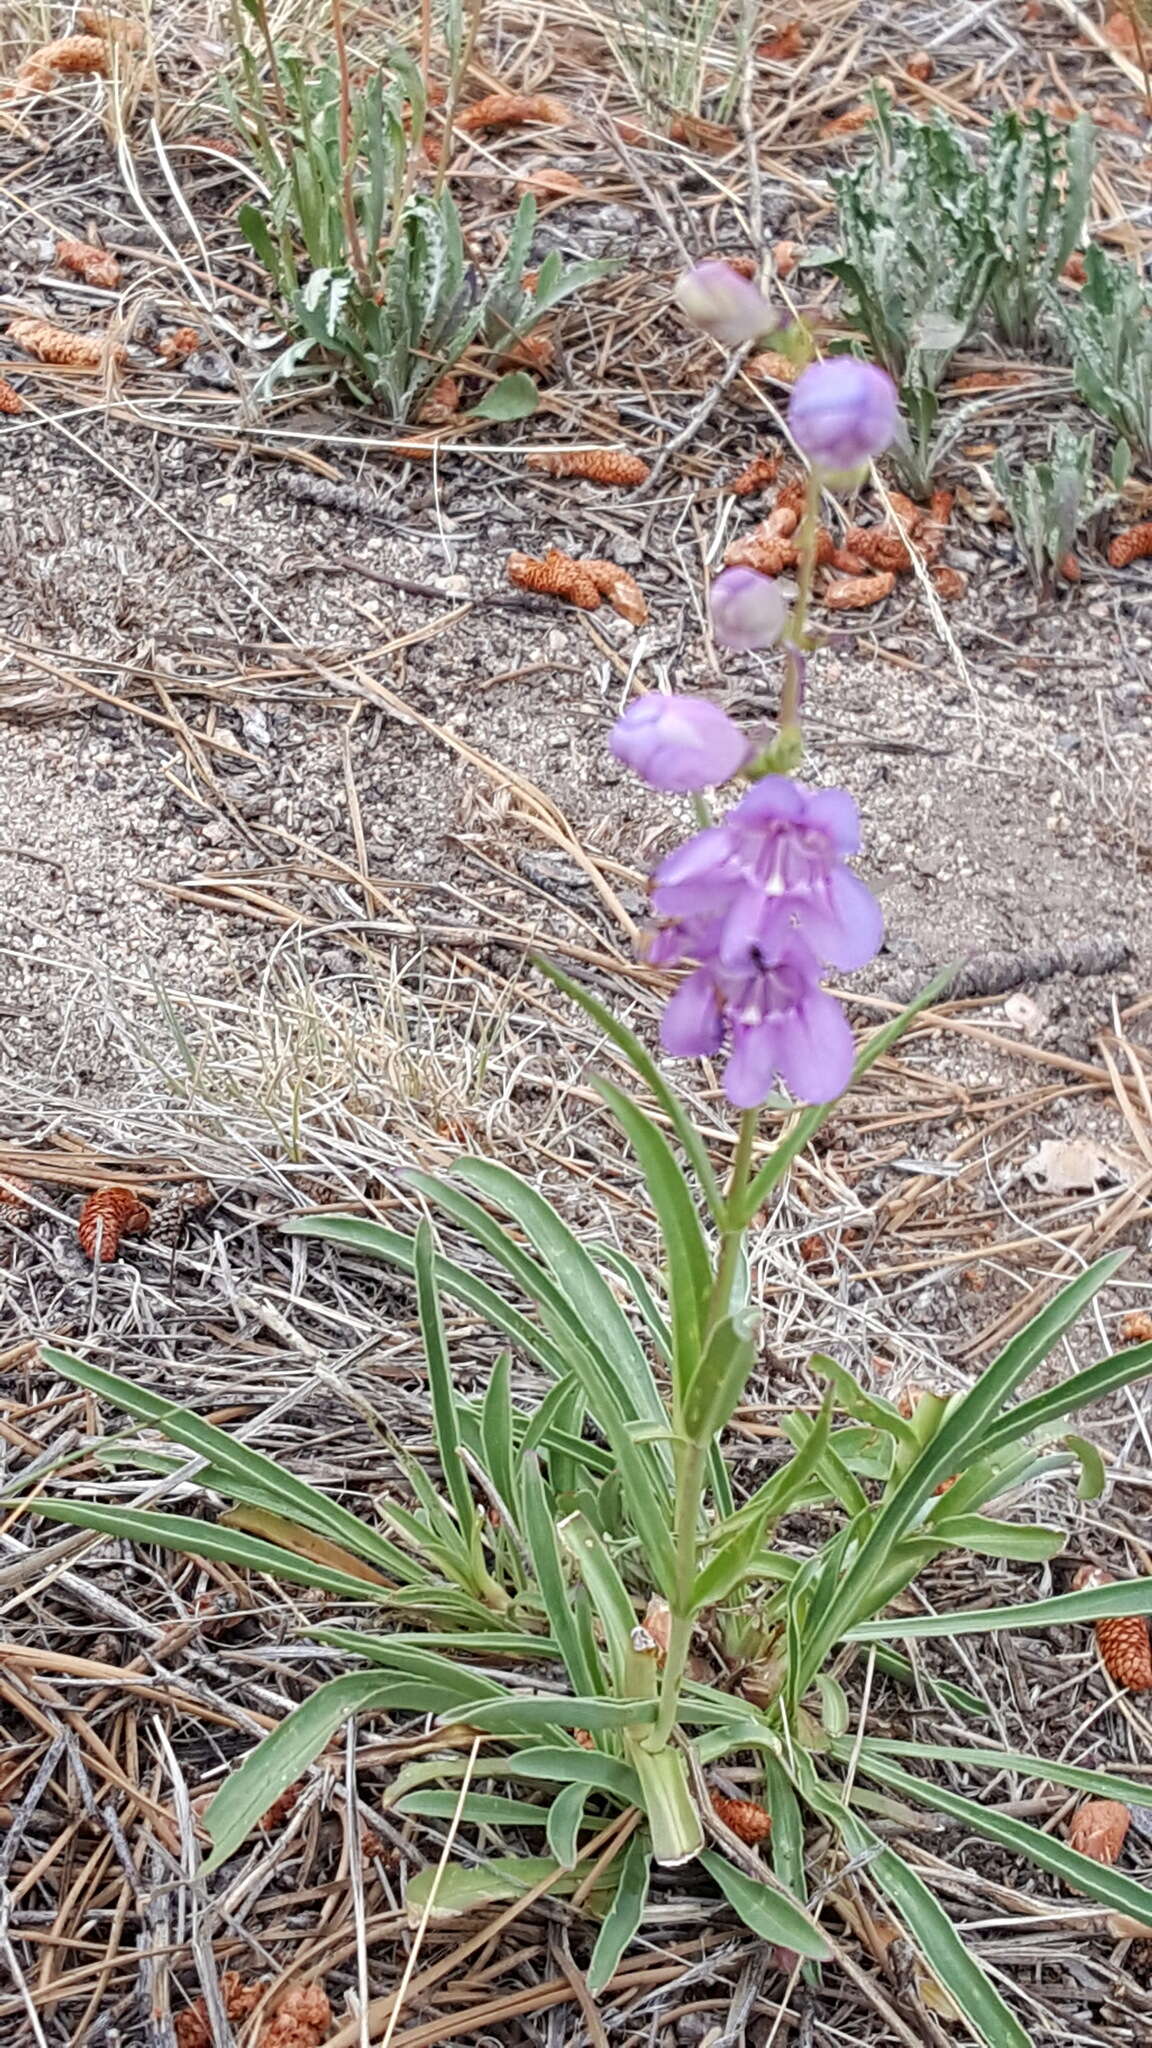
(1129, 1596)
(191, 1538)
(1097, 1783)
(565, 1820)
(440, 1382)
(766, 1908)
(623, 1917)
(292, 1497)
(1111, 1888)
(286, 1753)
(540, 1536)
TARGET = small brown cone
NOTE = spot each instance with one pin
(108, 1215)
(1098, 1829)
(1122, 1640)
(15, 1208)
(749, 1821)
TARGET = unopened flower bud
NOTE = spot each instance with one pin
(842, 413)
(748, 610)
(680, 744)
(727, 306)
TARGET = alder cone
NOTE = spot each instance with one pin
(1126, 1650)
(622, 590)
(10, 399)
(1135, 1327)
(302, 2019)
(55, 345)
(1132, 545)
(1098, 1829)
(880, 546)
(108, 1215)
(512, 109)
(769, 553)
(170, 1215)
(770, 364)
(69, 53)
(596, 465)
(755, 476)
(857, 593)
(15, 1208)
(94, 265)
(556, 576)
(749, 1821)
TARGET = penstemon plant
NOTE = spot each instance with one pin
(566, 1563)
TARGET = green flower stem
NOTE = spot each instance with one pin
(794, 647)
(692, 1458)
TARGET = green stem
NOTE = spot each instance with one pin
(798, 623)
(692, 1458)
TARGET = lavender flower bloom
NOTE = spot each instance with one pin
(777, 863)
(679, 744)
(841, 413)
(748, 610)
(760, 902)
(780, 1021)
(727, 306)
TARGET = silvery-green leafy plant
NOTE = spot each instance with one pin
(1108, 331)
(917, 252)
(372, 270)
(561, 1561)
(1051, 501)
(1038, 182)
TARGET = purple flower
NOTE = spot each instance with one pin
(760, 902)
(841, 413)
(727, 306)
(748, 610)
(777, 863)
(678, 743)
(779, 1020)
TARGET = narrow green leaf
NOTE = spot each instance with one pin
(551, 1764)
(768, 1910)
(285, 1754)
(687, 1262)
(440, 1381)
(540, 1537)
(1130, 1596)
(453, 1889)
(1027, 1544)
(1067, 1396)
(533, 1714)
(642, 1295)
(479, 1809)
(206, 1539)
(643, 1064)
(945, 1953)
(278, 1489)
(1093, 1472)
(623, 1916)
(565, 1820)
(1120, 1894)
(856, 1401)
(1100, 1784)
(498, 1433)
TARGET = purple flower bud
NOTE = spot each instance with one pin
(678, 743)
(748, 610)
(842, 412)
(727, 306)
